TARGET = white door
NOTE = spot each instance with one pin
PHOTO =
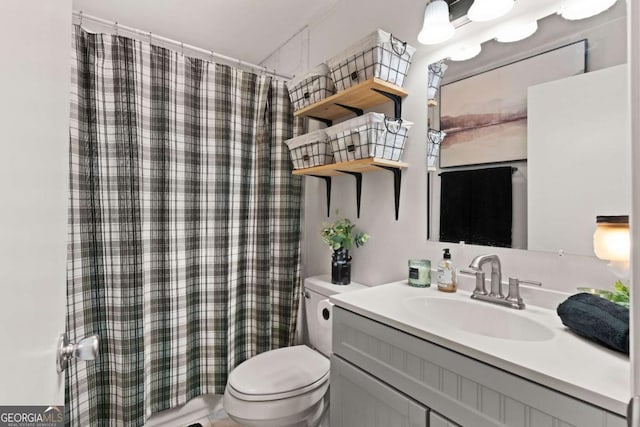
(35, 43)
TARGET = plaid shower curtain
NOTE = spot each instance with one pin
(184, 226)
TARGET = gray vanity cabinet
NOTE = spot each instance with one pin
(381, 376)
(359, 400)
(436, 420)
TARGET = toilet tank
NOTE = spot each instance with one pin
(317, 290)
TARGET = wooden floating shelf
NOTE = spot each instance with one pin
(361, 96)
(360, 165)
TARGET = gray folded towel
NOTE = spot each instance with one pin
(598, 319)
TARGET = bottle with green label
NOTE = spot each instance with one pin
(446, 273)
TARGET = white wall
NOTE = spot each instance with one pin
(34, 118)
(578, 155)
(384, 258)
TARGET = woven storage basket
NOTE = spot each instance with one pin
(311, 149)
(310, 87)
(378, 55)
(370, 135)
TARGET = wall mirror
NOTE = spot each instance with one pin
(537, 142)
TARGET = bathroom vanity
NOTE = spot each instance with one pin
(406, 356)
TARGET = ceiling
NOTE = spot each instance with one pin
(245, 29)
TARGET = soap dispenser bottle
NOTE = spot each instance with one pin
(446, 273)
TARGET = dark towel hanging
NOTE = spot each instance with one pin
(476, 206)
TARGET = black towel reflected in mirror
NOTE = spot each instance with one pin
(476, 206)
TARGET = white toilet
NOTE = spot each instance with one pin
(289, 387)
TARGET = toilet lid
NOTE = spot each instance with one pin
(279, 371)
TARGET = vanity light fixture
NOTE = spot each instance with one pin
(581, 9)
(436, 27)
(464, 52)
(487, 10)
(516, 32)
(612, 241)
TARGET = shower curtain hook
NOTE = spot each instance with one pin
(81, 17)
(116, 26)
(182, 47)
(150, 38)
(213, 56)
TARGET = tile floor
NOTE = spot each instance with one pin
(221, 419)
(225, 423)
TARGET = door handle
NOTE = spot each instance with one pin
(633, 412)
(85, 349)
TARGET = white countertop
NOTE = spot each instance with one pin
(566, 362)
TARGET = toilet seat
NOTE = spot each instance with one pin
(301, 410)
(279, 374)
(277, 396)
(279, 387)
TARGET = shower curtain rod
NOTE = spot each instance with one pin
(81, 17)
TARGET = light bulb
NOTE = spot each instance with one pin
(581, 9)
(516, 32)
(436, 27)
(486, 10)
(462, 53)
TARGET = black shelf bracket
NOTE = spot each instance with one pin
(355, 110)
(327, 181)
(397, 101)
(358, 177)
(397, 179)
(327, 122)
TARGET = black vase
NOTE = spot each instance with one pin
(340, 267)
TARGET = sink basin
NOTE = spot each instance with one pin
(479, 318)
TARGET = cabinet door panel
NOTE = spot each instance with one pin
(436, 420)
(359, 400)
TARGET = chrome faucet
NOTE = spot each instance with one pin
(495, 296)
(496, 275)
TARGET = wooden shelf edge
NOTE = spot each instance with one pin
(344, 96)
(384, 162)
(360, 165)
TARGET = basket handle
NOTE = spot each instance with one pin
(393, 39)
(386, 125)
(352, 147)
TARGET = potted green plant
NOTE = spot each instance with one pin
(341, 236)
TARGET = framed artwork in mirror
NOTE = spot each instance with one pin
(485, 115)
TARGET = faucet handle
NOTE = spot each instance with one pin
(514, 292)
(531, 282)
